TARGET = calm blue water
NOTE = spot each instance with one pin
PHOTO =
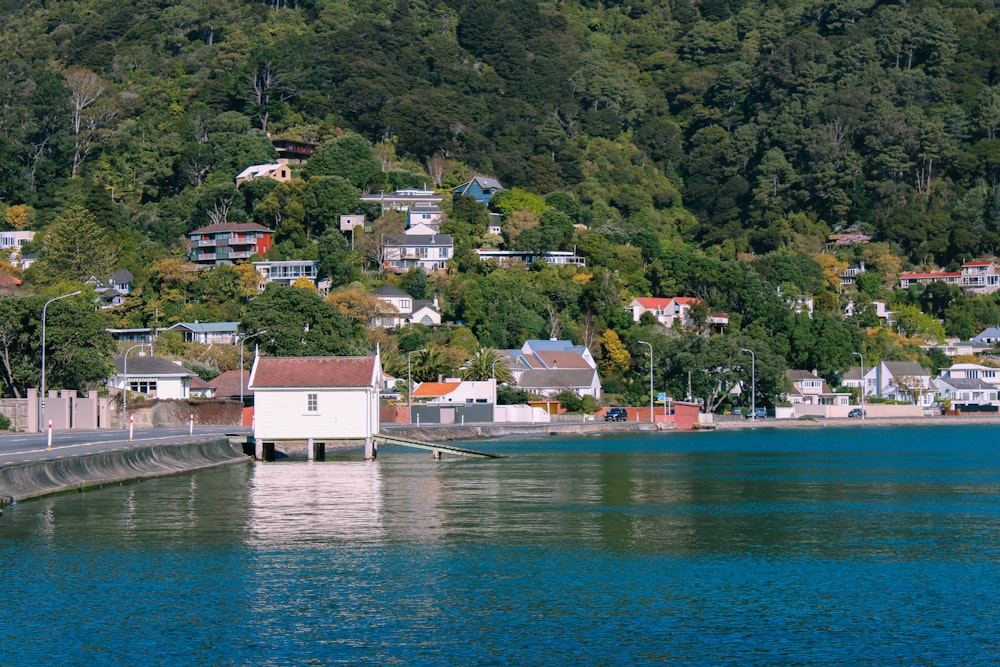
(864, 546)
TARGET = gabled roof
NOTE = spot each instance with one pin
(258, 169)
(390, 292)
(484, 182)
(568, 378)
(976, 263)
(990, 332)
(313, 372)
(853, 373)
(905, 368)
(435, 389)
(207, 327)
(228, 383)
(219, 227)
(652, 302)
(795, 376)
(966, 383)
(122, 276)
(557, 359)
(151, 367)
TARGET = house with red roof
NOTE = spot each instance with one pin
(322, 399)
(980, 277)
(672, 311)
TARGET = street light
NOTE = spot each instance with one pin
(650, 345)
(42, 384)
(409, 385)
(125, 375)
(862, 358)
(243, 338)
(753, 383)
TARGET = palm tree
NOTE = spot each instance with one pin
(429, 365)
(486, 364)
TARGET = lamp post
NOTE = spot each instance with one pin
(41, 403)
(244, 338)
(125, 374)
(409, 385)
(753, 383)
(862, 358)
(650, 346)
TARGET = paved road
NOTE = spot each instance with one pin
(26, 448)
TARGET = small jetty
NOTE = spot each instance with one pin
(434, 447)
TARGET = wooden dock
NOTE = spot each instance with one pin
(434, 447)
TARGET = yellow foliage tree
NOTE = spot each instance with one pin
(615, 358)
(305, 283)
(20, 216)
(832, 267)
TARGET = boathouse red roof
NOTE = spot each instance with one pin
(319, 372)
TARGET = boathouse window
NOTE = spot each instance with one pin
(312, 402)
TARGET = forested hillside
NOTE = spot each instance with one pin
(703, 148)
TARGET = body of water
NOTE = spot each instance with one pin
(852, 546)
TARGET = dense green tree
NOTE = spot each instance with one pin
(75, 248)
(349, 157)
(299, 323)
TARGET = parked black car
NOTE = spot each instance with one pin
(856, 413)
(616, 415)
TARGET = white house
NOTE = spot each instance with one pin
(286, 272)
(420, 247)
(987, 374)
(13, 240)
(455, 391)
(425, 214)
(671, 311)
(155, 377)
(277, 172)
(965, 391)
(404, 200)
(207, 333)
(316, 398)
(407, 309)
(810, 389)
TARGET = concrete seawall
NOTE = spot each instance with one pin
(31, 480)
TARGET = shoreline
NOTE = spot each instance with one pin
(487, 431)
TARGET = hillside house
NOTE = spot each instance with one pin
(407, 310)
(480, 188)
(207, 333)
(286, 272)
(672, 311)
(420, 247)
(980, 277)
(276, 172)
(228, 242)
(404, 200)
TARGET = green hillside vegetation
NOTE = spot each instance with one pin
(683, 149)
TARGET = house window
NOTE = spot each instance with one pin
(312, 402)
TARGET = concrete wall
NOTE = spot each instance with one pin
(30, 480)
(176, 414)
(457, 414)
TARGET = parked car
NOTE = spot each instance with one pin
(756, 413)
(616, 415)
(856, 413)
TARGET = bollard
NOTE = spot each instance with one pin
(131, 426)
(50, 435)
(191, 426)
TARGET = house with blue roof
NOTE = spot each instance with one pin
(481, 188)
